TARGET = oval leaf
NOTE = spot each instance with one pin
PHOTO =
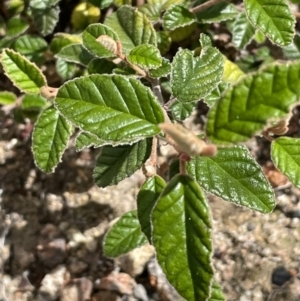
(75, 53)
(115, 108)
(216, 292)
(124, 236)
(145, 56)
(234, 176)
(286, 156)
(7, 98)
(182, 237)
(15, 27)
(25, 75)
(114, 164)
(49, 139)
(194, 77)
(273, 17)
(177, 16)
(161, 71)
(246, 107)
(132, 27)
(85, 140)
(90, 36)
(146, 200)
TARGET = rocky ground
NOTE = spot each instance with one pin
(51, 228)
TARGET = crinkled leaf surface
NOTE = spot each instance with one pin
(246, 107)
(49, 139)
(145, 56)
(84, 140)
(124, 236)
(146, 199)
(163, 41)
(216, 292)
(75, 53)
(161, 71)
(90, 36)
(234, 176)
(219, 12)
(62, 40)
(46, 19)
(7, 98)
(38, 4)
(194, 77)
(66, 70)
(132, 27)
(114, 164)
(182, 110)
(115, 108)
(164, 4)
(25, 75)
(177, 16)
(181, 235)
(215, 95)
(151, 11)
(273, 17)
(242, 32)
(286, 156)
(15, 27)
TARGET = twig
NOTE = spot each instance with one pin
(157, 91)
(204, 6)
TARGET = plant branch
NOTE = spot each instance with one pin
(204, 6)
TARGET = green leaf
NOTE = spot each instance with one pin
(62, 40)
(185, 256)
(163, 41)
(277, 24)
(232, 73)
(33, 102)
(84, 140)
(16, 26)
(292, 51)
(145, 56)
(7, 98)
(243, 32)
(216, 293)
(32, 47)
(163, 70)
(146, 199)
(182, 110)
(117, 163)
(124, 236)
(46, 19)
(164, 4)
(151, 11)
(101, 66)
(65, 69)
(90, 36)
(49, 139)
(101, 3)
(194, 77)
(115, 108)
(25, 75)
(132, 27)
(75, 53)
(234, 176)
(285, 153)
(215, 95)
(177, 16)
(219, 12)
(6, 42)
(246, 107)
(42, 4)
